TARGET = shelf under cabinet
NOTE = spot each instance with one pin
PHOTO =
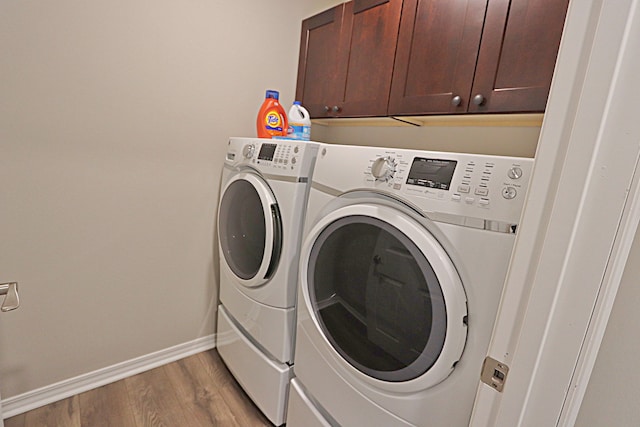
(505, 120)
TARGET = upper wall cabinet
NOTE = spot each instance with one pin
(436, 56)
(346, 59)
(476, 56)
(517, 55)
(446, 57)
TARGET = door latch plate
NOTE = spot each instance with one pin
(494, 374)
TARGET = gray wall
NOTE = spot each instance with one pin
(114, 117)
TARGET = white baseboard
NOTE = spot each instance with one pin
(61, 390)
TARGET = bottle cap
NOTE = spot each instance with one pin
(297, 103)
(272, 94)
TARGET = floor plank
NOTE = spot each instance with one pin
(17, 421)
(215, 368)
(201, 395)
(63, 413)
(196, 391)
(154, 401)
(107, 406)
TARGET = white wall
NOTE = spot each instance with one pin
(614, 387)
(114, 117)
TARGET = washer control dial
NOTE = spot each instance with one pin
(248, 151)
(509, 193)
(514, 173)
(383, 168)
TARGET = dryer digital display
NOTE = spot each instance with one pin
(431, 173)
(267, 151)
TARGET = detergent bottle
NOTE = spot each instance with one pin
(272, 119)
(299, 122)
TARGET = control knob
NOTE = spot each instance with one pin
(383, 168)
(514, 173)
(248, 151)
(509, 193)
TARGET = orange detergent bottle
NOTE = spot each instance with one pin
(272, 119)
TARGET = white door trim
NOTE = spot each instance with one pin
(604, 305)
(580, 216)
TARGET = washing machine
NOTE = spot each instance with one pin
(265, 185)
(402, 266)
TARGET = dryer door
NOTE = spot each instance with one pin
(249, 229)
(385, 295)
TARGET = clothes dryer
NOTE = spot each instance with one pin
(265, 184)
(402, 267)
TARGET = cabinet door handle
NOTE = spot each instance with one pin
(11, 301)
(326, 109)
(336, 109)
(478, 99)
(456, 101)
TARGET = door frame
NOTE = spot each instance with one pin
(564, 276)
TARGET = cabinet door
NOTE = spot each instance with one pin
(436, 56)
(516, 60)
(349, 75)
(319, 60)
(370, 31)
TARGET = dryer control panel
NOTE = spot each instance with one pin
(273, 156)
(477, 186)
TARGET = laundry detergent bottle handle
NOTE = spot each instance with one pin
(272, 119)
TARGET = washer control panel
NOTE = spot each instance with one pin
(273, 156)
(472, 188)
(479, 186)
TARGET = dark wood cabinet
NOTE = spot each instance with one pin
(517, 55)
(436, 56)
(420, 57)
(346, 59)
(318, 62)
(492, 56)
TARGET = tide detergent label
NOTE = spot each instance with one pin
(273, 121)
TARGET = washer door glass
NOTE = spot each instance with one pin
(249, 228)
(377, 298)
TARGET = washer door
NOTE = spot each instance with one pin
(385, 295)
(250, 229)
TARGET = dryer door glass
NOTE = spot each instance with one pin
(242, 225)
(377, 298)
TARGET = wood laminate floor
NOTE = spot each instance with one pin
(195, 391)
